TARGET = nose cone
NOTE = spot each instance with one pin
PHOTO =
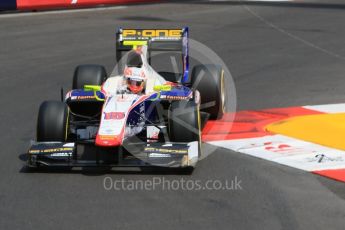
(108, 141)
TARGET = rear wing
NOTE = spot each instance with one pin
(160, 40)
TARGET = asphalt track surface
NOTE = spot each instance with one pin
(280, 54)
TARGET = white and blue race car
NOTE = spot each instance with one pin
(158, 124)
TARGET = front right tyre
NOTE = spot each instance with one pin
(88, 75)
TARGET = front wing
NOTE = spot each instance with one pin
(172, 155)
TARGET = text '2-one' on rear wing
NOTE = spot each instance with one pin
(160, 40)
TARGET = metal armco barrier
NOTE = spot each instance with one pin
(8, 4)
(50, 4)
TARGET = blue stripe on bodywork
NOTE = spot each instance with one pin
(178, 91)
(185, 50)
(8, 5)
(80, 92)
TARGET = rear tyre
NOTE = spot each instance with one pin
(88, 75)
(209, 81)
(52, 122)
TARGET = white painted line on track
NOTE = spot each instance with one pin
(267, 0)
(333, 108)
(251, 1)
(288, 151)
(68, 11)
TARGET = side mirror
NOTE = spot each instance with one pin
(92, 87)
(95, 89)
(162, 88)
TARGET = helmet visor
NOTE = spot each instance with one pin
(135, 85)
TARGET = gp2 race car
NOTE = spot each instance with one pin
(158, 126)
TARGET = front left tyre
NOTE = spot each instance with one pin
(184, 126)
(52, 122)
(184, 121)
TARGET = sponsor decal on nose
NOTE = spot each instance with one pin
(114, 115)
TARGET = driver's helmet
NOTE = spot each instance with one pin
(135, 84)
